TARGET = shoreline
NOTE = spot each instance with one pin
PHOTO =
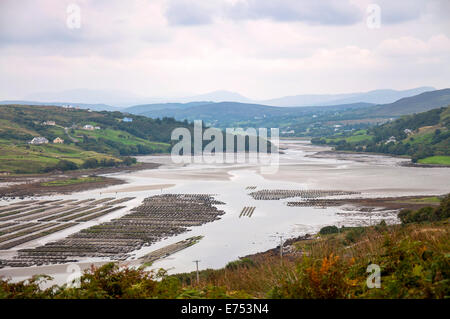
(360, 204)
(405, 163)
(24, 186)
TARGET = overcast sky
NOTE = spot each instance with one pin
(259, 48)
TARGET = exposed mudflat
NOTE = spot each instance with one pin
(31, 185)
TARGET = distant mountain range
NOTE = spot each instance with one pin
(120, 99)
(235, 112)
(375, 97)
(160, 107)
(110, 98)
(301, 120)
(93, 107)
(224, 113)
(115, 99)
(414, 104)
(217, 96)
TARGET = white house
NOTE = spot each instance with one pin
(50, 123)
(88, 127)
(127, 119)
(407, 131)
(391, 139)
(38, 140)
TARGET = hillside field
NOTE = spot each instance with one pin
(110, 145)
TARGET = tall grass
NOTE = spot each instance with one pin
(333, 266)
(413, 258)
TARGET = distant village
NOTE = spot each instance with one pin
(42, 140)
(88, 127)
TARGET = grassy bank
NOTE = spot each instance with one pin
(73, 181)
(439, 160)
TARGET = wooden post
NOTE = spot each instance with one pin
(198, 277)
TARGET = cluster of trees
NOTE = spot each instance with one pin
(14, 135)
(427, 214)
(415, 150)
(103, 145)
(439, 144)
(65, 165)
(124, 150)
(411, 122)
(158, 130)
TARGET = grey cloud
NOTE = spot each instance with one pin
(330, 12)
(33, 23)
(400, 11)
(185, 12)
(41, 27)
(393, 12)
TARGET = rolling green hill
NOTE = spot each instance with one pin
(311, 121)
(409, 105)
(91, 139)
(425, 137)
(110, 144)
(148, 108)
(232, 114)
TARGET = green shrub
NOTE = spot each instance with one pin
(90, 163)
(328, 230)
(325, 278)
(427, 214)
(381, 227)
(410, 269)
(243, 263)
(354, 234)
(129, 160)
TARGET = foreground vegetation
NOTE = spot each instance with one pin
(425, 137)
(413, 258)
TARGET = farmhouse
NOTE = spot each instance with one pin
(88, 127)
(38, 140)
(50, 123)
(392, 139)
(58, 140)
(407, 131)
